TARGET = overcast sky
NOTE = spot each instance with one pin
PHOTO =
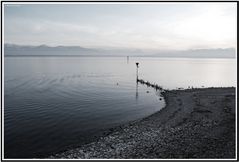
(165, 26)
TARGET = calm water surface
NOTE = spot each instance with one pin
(53, 103)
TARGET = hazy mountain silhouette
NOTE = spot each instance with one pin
(200, 53)
(44, 50)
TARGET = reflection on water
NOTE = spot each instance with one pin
(51, 103)
(137, 93)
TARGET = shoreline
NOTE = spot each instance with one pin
(196, 123)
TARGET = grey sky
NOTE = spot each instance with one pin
(143, 26)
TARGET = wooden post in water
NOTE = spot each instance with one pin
(137, 75)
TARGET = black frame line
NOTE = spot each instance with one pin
(117, 1)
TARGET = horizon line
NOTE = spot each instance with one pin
(115, 47)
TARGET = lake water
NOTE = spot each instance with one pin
(54, 103)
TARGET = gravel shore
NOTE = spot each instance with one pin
(195, 124)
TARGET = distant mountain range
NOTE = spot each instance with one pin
(201, 53)
(44, 50)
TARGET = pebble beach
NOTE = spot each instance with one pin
(195, 124)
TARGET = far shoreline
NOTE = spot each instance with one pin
(197, 123)
(121, 56)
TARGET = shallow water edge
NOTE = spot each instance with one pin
(196, 123)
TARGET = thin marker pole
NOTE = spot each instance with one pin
(137, 75)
